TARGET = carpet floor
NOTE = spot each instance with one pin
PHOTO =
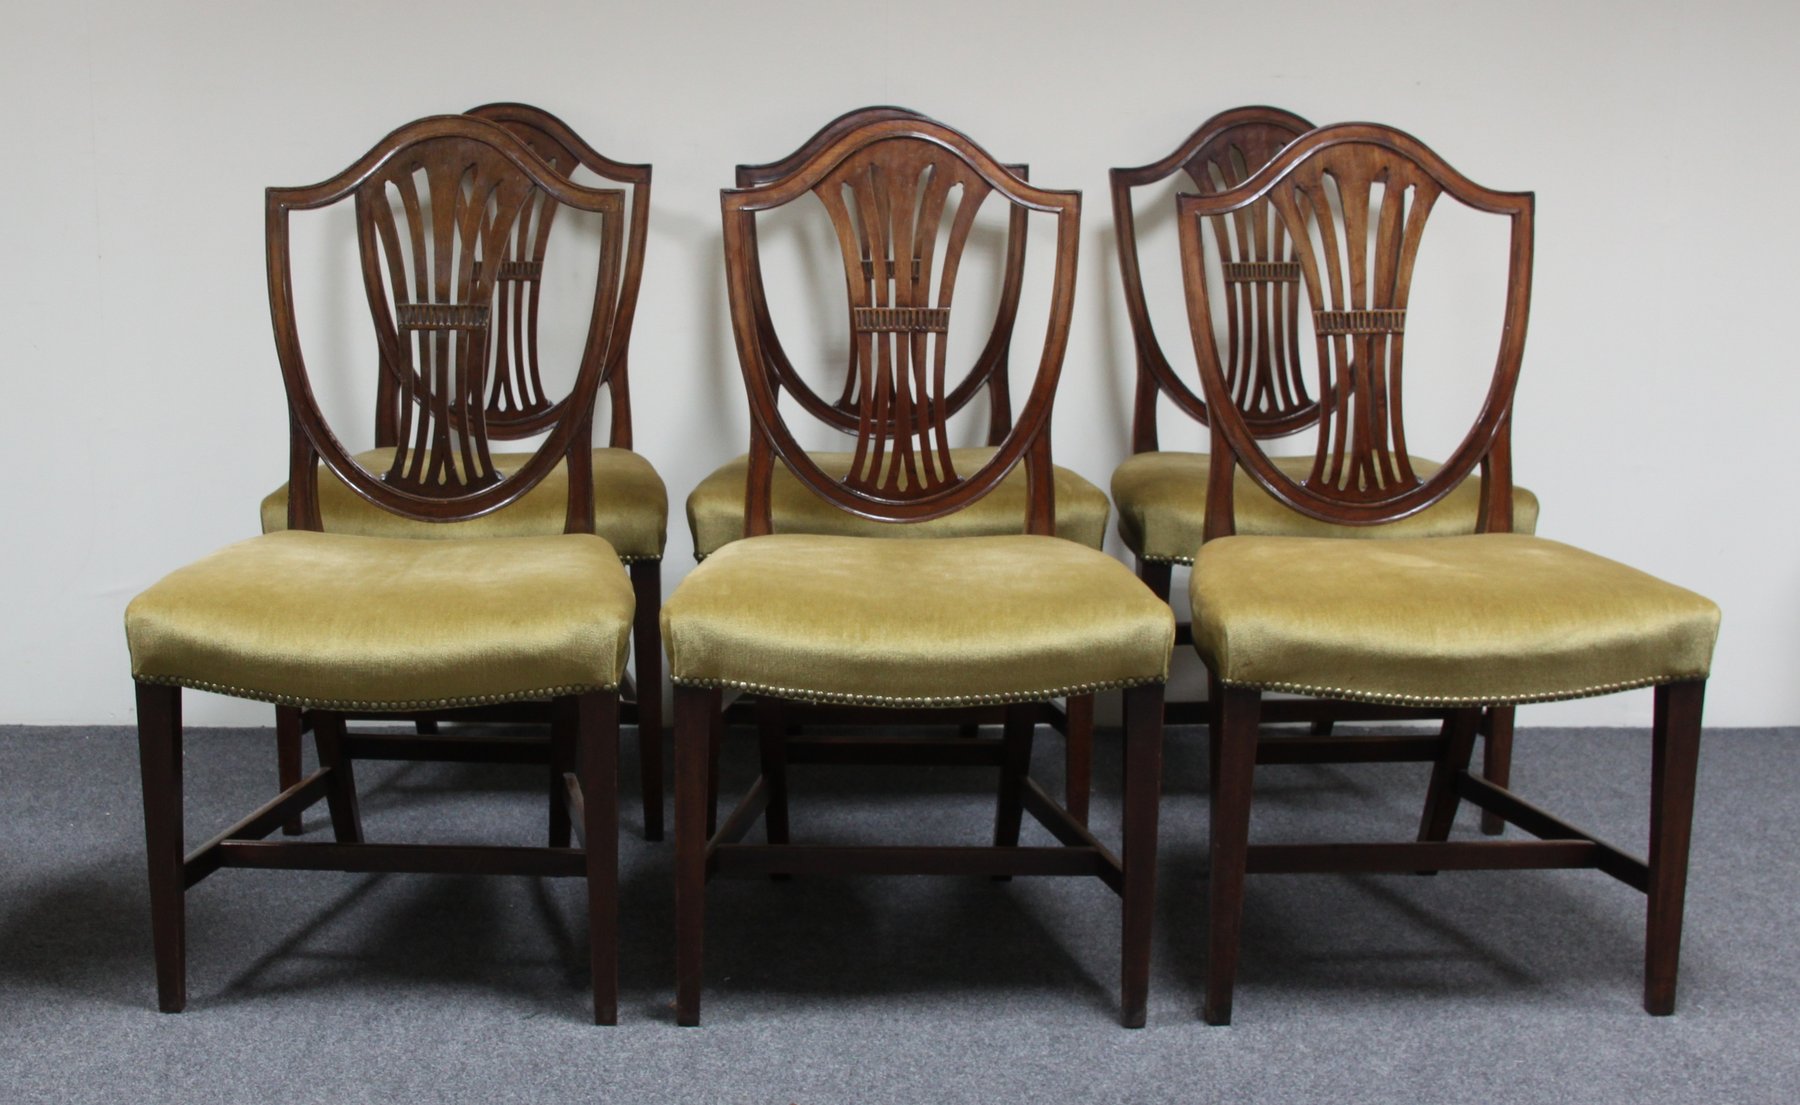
(1466, 987)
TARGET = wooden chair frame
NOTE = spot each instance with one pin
(1075, 720)
(583, 750)
(904, 143)
(1224, 151)
(516, 377)
(1361, 477)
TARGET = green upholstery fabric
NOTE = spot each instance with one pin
(716, 508)
(631, 506)
(340, 622)
(957, 621)
(1162, 507)
(1459, 621)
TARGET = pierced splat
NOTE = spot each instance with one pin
(892, 204)
(1255, 263)
(1358, 282)
(435, 204)
(1353, 202)
(433, 226)
(1261, 279)
(902, 193)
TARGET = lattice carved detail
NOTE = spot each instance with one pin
(903, 218)
(1247, 272)
(433, 227)
(1359, 322)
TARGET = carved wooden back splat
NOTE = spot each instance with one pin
(517, 405)
(1257, 269)
(989, 369)
(902, 195)
(1353, 202)
(438, 203)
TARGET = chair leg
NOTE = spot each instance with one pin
(695, 711)
(1156, 576)
(1496, 759)
(288, 728)
(1078, 756)
(425, 727)
(1233, 738)
(1143, 795)
(565, 724)
(715, 744)
(596, 732)
(159, 761)
(646, 646)
(1015, 765)
(1675, 760)
(1457, 741)
(1321, 727)
(771, 726)
(340, 790)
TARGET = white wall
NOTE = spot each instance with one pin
(144, 418)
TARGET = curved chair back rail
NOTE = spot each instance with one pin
(1318, 186)
(1256, 268)
(439, 203)
(896, 190)
(988, 370)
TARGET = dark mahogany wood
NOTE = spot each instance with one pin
(462, 185)
(1259, 271)
(902, 193)
(518, 405)
(1356, 257)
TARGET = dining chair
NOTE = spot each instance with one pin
(1162, 494)
(346, 624)
(935, 627)
(631, 505)
(1456, 623)
(715, 509)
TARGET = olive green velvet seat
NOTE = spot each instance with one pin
(1161, 498)
(338, 622)
(952, 622)
(631, 506)
(1479, 620)
(716, 507)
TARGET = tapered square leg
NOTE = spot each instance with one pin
(1143, 797)
(597, 738)
(288, 729)
(1078, 756)
(340, 790)
(1239, 713)
(1457, 743)
(696, 709)
(565, 727)
(647, 654)
(1675, 760)
(1015, 765)
(1496, 759)
(159, 760)
(771, 730)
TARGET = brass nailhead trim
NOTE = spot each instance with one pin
(1386, 699)
(833, 698)
(378, 707)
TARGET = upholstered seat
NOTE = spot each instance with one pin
(339, 622)
(631, 506)
(1161, 498)
(1457, 621)
(959, 621)
(716, 507)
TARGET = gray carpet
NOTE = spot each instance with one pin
(1468, 987)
